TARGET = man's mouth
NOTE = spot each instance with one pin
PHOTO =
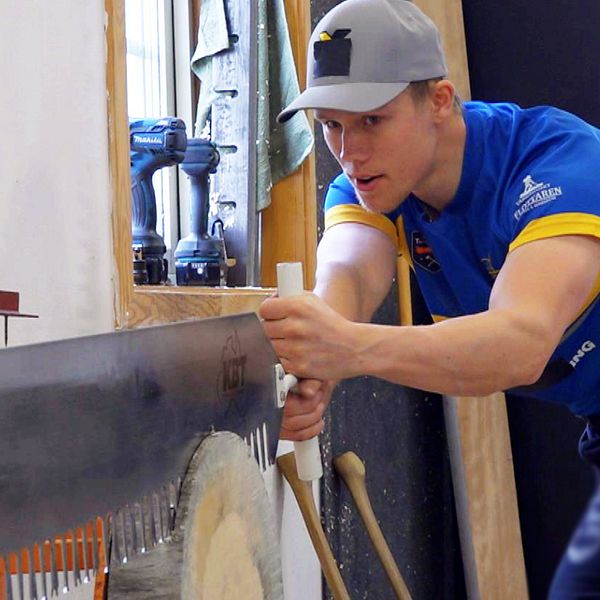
(365, 184)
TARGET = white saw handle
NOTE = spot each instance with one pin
(290, 282)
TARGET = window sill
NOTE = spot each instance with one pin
(166, 304)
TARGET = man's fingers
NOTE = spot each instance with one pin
(296, 422)
(297, 404)
(274, 309)
(308, 388)
(304, 434)
(274, 330)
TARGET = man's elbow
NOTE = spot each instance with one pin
(528, 368)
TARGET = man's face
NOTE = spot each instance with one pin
(386, 153)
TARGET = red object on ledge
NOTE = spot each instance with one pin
(9, 307)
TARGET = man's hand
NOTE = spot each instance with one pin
(312, 340)
(304, 409)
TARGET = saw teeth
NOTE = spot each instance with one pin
(53, 570)
(75, 553)
(84, 545)
(266, 446)
(20, 578)
(55, 566)
(65, 566)
(32, 580)
(258, 446)
(138, 527)
(132, 529)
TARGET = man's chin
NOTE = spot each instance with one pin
(364, 204)
(375, 206)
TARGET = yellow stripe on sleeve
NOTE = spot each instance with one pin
(555, 225)
(351, 213)
(562, 224)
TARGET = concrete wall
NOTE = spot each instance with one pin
(55, 205)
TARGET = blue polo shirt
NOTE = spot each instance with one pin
(528, 174)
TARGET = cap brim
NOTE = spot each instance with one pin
(352, 97)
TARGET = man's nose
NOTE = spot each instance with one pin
(353, 146)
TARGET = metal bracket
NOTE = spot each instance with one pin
(283, 384)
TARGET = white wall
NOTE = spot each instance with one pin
(55, 232)
(55, 203)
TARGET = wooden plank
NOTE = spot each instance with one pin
(477, 427)
(486, 497)
(168, 305)
(289, 224)
(448, 16)
(118, 155)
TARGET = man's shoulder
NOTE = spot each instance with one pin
(516, 117)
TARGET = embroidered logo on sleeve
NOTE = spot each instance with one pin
(422, 254)
(332, 54)
(535, 194)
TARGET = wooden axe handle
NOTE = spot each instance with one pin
(303, 492)
(352, 470)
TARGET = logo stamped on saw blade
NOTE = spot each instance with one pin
(231, 377)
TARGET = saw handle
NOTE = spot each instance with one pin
(352, 470)
(304, 495)
(290, 282)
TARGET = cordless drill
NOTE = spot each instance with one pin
(154, 144)
(200, 258)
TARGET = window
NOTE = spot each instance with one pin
(152, 92)
(288, 225)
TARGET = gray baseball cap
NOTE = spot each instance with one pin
(363, 53)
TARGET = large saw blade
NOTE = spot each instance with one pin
(89, 425)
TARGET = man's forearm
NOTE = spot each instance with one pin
(473, 355)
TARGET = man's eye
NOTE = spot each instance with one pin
(330, 124)
(372, 120)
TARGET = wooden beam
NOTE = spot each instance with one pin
(448, 16)
(486, 497)
(477, 428)
(289, 224)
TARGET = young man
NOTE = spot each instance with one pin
(498, 209)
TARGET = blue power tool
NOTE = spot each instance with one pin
(200, 258)
(154, 144)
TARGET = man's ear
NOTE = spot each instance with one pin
(442, 99)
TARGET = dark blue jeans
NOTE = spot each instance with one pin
(578, 574)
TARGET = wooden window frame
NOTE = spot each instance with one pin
(288, 225)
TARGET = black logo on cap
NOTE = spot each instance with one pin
(332, 54)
